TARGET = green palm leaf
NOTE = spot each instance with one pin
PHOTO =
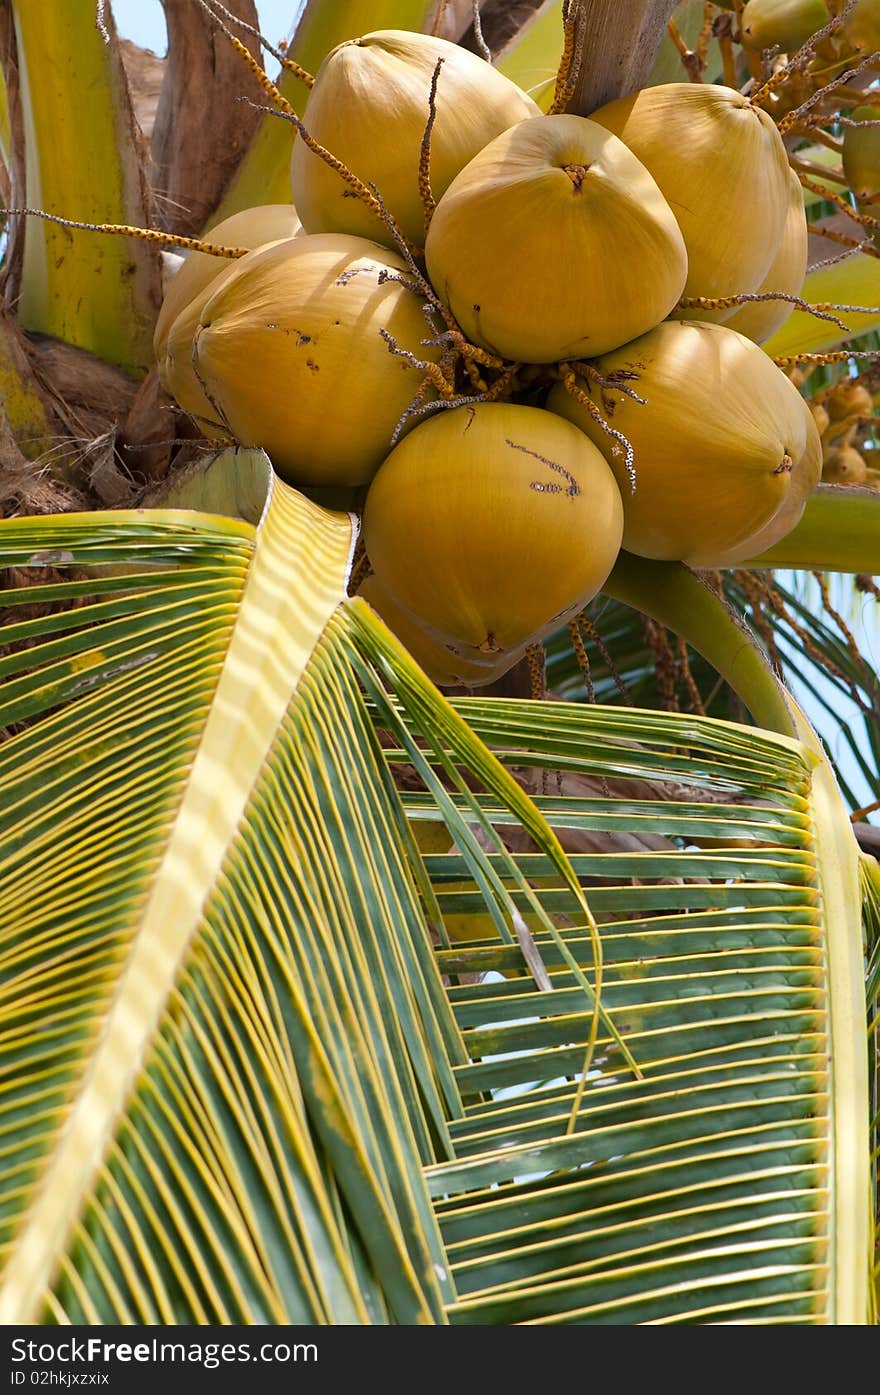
(250, 1071)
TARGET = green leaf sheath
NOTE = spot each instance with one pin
(94, 290)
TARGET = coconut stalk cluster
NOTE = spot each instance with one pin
(526, 340)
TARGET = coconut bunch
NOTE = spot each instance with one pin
(526, 340)
(826, 36)
(845, 417)
(788, 24)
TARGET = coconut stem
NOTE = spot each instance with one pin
(772, 596)
(814, 124)
(834, 236)
(665, 668)
(728, 58)
(835, 356)
(570, 384)
(471, 351)
(801, 59)
(164, 239)
(838, 619)
(691, 61)
(566, 75)
(614, 382)
(592, 633)
(265, 82)
(687, 676)
(262, 78)
(789, 122)
(758, 594)
(583, 662)
(289, 64)
(856, 125)
(101, 21)
(807, 167)
(482, 47)
(428, 201)
(822, 310)
(431, 371)
(865, 219)
(537, 678)
(834, 261)
(368, 194)
(503, 384)
(421, 408)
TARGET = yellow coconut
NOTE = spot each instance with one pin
(849, 398)
(844, 465)
(291, 351)
(722, 442)
(759, 319)
(175, 361)
(493, 524)
(554, 242)
(786, 23)
(861, 155)
(789, 515)
(862, 28)
(369, 107)
(447, 663)
(722, 166)
(252, 227)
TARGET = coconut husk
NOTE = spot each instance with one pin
(150, 429)
(27, 486)
(89, 396)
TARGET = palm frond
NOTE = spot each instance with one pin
(171, 819)
(870, 880)
(255, 1072)
(699, 1191)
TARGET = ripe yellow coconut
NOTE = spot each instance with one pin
(175, 346)
(252, 227)
(291, 351)
(844, 465)
(848, 398)
(759, 319)
(788, 23)
(861, 155)
(369, 107)
(789, 515)
(447, 663)
(493, 524)
(722, 166)
(862, 29)
(722, 442)
(554, 242)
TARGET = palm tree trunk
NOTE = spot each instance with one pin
(620, 46)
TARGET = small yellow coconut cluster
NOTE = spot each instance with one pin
(845, 416)
(517, 334)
